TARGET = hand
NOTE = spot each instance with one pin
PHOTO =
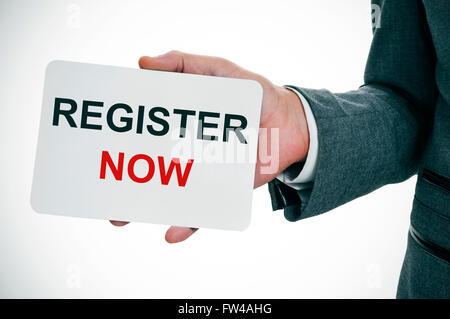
(281, 109)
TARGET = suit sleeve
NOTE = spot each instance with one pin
(375, 135)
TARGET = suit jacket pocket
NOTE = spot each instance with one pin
(433, 191)
(423, 274)
(436, 180)
(433, 249)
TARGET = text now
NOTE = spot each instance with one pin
(117, 168)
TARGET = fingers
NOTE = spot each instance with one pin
(177, 234)
(175, 61)
(174, 234)
(117, 223)
(172, 62)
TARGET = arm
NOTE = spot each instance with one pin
(367, 138)
(374, 135)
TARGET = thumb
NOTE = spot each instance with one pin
(172, 61)
(176, 61)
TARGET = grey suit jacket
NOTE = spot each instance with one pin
(395, 125)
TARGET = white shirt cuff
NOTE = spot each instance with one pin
(302, 179)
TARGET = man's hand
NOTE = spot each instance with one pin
(281, 109)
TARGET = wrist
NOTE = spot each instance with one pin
(294, 133)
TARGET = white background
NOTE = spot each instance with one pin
(353, 251)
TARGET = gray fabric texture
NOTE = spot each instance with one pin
(395, 125)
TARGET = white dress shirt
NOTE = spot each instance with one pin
(302, 178)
